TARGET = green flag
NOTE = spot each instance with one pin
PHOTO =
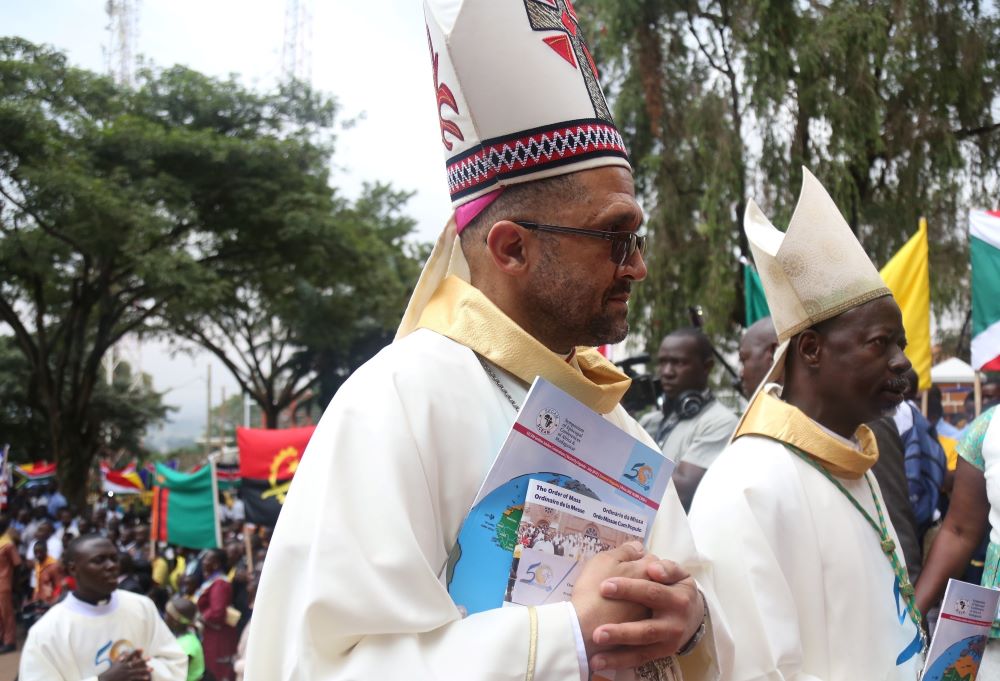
(755, 302)
(185, 512)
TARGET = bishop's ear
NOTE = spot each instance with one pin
(507, 246)
(809, 347)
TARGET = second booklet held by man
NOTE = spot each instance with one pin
(963, 629)
(593, 486)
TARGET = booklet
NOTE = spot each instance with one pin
(963, 628)
(560, 531)
(600, 477)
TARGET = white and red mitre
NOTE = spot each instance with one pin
(518, 95)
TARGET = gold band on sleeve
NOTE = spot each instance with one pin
(532, 643)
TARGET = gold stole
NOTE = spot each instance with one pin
(771, 417)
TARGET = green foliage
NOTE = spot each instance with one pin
(21, 426)
(123, 410)
(186, 205)
(342, 326)
(892, 105)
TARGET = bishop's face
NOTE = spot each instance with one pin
(577, 294)
(861, 375)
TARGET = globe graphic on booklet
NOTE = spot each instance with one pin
(959, 662)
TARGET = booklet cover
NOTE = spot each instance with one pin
(963, 628)
(560, 531)
(558, 442)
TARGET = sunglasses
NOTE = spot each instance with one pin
(623, 244)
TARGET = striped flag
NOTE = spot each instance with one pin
(122, 481)
(185, 508)
(228, 475)
(36, 473)
(984, 251)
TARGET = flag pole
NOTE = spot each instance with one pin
(215, 501)
(977, 389)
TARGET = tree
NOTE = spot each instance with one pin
(119, 205)
(291, 328)
(892, 105)
(21, 426)
(342, 326)
(124, 409)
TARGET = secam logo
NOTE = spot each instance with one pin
(642, 468)
(640, 474)
(538, 574)
(547, 421)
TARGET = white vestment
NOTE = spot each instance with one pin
(808, 592)
(76, 641)
(352, 588)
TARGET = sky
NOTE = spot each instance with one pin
(372, 56)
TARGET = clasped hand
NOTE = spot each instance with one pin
(129, 667)
(634, 607)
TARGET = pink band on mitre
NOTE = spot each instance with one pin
(467, 212)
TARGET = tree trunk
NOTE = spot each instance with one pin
(269, 415)
(74, 458)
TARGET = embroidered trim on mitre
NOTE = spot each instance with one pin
(518, 94)
(531, 151)
(833, 312)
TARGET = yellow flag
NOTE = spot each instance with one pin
(908, 277)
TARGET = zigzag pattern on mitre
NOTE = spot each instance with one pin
(524, 152)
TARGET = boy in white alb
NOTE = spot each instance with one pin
(98, 633)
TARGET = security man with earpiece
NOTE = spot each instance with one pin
(693, 427)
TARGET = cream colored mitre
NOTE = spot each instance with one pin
(817, 269)
(814, 271)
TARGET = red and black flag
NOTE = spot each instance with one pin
(268, 460)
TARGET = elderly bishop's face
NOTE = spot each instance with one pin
(861, 371)
(577, 292)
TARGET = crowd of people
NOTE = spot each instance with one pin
(774, 555)
(200, 599)
(574, 545)
(788, 547)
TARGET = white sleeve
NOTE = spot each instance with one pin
(736, 535)
(350, 586)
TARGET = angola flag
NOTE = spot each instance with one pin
(185, 508)
(984, 251)
(268, 460)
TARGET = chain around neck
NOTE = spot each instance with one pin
(499, 383)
